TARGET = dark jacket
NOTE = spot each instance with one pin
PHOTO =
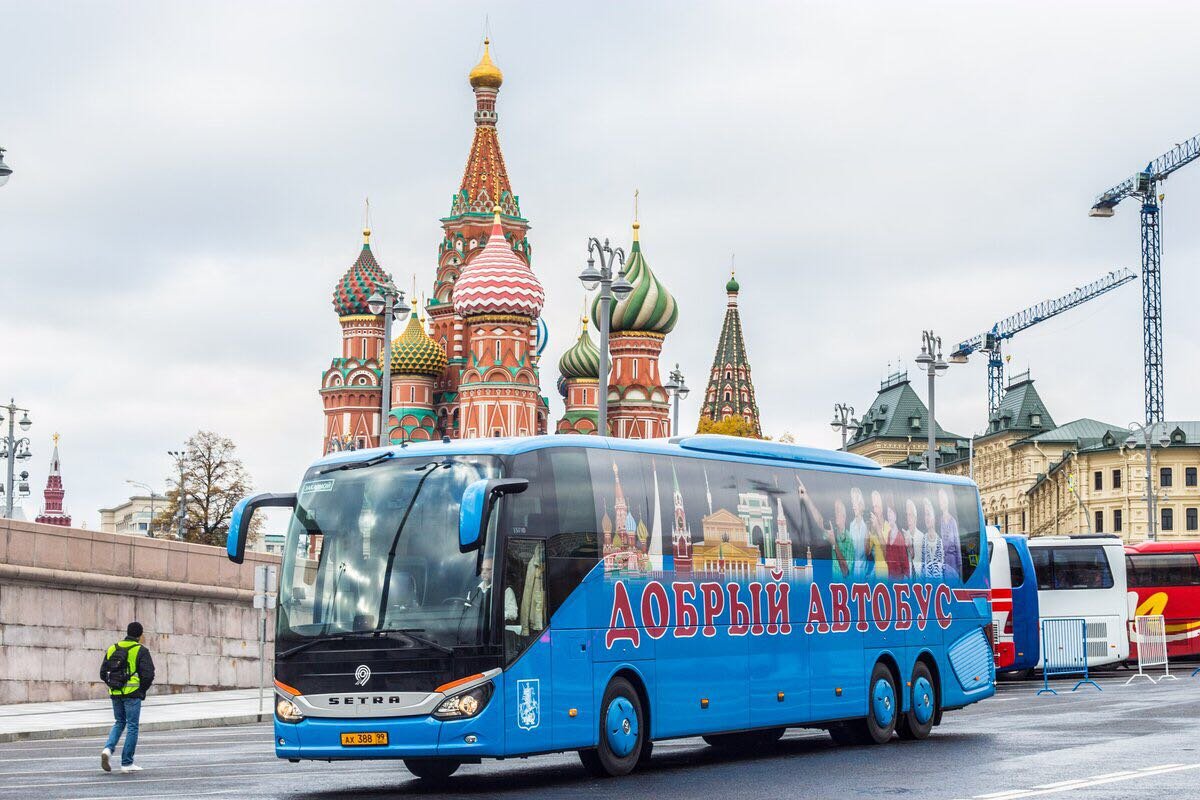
(145, 670)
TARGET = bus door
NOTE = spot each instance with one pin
(1022, 622)
(527, 648)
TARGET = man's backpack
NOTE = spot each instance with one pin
(115, 669)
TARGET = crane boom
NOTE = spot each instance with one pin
(1144, 186)
(990, 340)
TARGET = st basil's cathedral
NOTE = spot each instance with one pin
(474, 370)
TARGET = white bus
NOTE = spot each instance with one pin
(1084, 576)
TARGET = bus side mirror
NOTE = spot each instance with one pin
(243, 512)
(477, 501)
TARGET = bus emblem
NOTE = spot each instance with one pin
(528, 704)
(362, 675)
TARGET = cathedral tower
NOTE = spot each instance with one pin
(637, 403)
(52, 510)
(579, 369)
(730, 390)
(417, 361)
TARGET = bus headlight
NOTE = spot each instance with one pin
(287, 711)
(465, 704)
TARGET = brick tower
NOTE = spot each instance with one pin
(52, 510)
(637, 402)
(579, 369)
(730, 390)
(350, 388)
(467, 230)
(417, 361)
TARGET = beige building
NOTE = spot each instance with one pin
(894, 430)
(133, 516)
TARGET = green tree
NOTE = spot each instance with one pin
(730, 426)
(214, 479)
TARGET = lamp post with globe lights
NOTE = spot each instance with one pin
(390, 303)
(843, 420)
(931, 359)
(678, 390)
(1147, 431)
(609, 288)
(5, 169)
(14, 450)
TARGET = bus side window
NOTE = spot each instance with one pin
(1015, 570)
(1041, 567)
(524, 609)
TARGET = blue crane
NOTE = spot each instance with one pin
(1144, 186)
(990, 341)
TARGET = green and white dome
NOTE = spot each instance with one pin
(649, 308)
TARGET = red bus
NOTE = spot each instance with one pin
(1166, 578)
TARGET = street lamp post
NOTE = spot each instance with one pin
(153, 496)
(5, 169)
(181, 502)
(14, 449)
(1151, 494)
(677, 389)
(843, 420)
(931, 359)
(390, 303)
(609, 288)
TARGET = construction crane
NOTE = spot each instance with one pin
(990, 341)
(1144, 186)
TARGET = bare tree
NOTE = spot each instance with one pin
(214, 480)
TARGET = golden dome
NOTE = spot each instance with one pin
(486, 73)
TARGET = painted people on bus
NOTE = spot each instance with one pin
(845, 561)
(896, 546)
(948, 530)
(914, 538)
(933, 558)
(858, 532)
(878, 535)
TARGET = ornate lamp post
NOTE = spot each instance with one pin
(390, 303)
(5, 169)
(609, 288)
(931, 359)
(14, 449)
(1151, 495)
(677, 389)
(181, 501)
(843, 420)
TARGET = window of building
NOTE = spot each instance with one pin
(1164, 476)
(364, 348)
(1168, 519)
(1116, 520)
(1191, 520)
(1098, 480)
(498, 358)
(1189, 476)
(1035, 420)
(1116, 479)
(1099, 519)
(635, 371)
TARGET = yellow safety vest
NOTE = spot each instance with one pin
(135, 681)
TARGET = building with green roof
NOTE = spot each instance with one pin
(895, 428)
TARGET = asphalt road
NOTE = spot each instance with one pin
(1141, 741)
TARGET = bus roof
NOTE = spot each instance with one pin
(726, 448)
(1186, 546)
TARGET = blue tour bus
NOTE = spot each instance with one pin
(446, 602)
(1023, 620)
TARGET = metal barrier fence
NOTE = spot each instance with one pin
(1064, 651)
(1150, 633)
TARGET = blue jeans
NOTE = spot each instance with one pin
(127, 711)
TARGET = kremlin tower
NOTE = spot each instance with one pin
(730, 391)
(52, 511)
(350, 388)
(579, 369)
(637, 402)
(417, 362)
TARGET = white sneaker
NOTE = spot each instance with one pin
(131, 768)
(105, 755)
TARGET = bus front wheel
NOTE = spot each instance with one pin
(624, 739)
(432, 769)
(917, 722)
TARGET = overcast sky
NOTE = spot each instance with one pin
(189, 180)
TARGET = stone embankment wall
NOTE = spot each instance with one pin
(67, 594)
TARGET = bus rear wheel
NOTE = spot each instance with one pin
(880, 723)
(917, 722)
(433, 770)
(623, 740)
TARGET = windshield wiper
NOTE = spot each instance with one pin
(366, 462)
(382, 633)
(411, 633)
(429, 469)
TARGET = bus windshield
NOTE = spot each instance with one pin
(374, 549)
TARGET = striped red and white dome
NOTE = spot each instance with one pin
(497, 281)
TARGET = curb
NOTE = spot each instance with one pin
(101, 730)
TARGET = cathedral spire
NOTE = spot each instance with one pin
(52, 510)
(730, 389)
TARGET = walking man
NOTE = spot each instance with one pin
(128, 671)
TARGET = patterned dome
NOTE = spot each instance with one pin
(362, 280)
(582, 360)
(497, 281)
(649, 308)
(485, 72)
(415, 353)
(733, 287)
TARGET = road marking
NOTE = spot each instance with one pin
(159, 794)
(1084, 783)
(998, 795)
(1060, 783)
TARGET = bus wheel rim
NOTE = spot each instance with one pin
(923, 700)
(621, 727)
(883, 703)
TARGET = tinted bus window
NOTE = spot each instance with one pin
(1072, 568)
(1015, 569)
(1163, 569)
(1041, 567)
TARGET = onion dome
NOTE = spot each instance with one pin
(497, 281)
(733, 287)
(582, 360)
(414, 352)
(363, 279)
(649, 308)
(486, 73)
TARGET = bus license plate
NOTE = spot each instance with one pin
(371, 738)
